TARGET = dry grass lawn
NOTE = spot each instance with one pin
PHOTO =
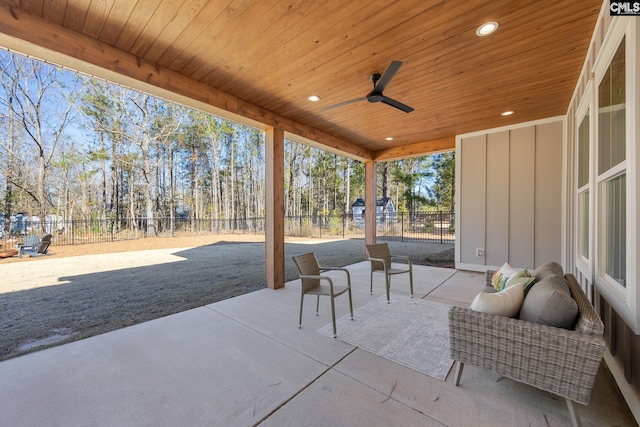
(85, 290)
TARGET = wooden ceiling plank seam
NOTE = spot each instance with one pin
(136, 23)
(75, 14)
(65, 46)
(54, 11)
(198, 28)
(306, 29)
(205, 41)
(174, 29)
(96, 17)
(277, 47)
(251, 87)
(233, 44)
(156, 24)
(116, 21)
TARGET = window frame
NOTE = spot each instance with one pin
(584, 110)
(624, 299)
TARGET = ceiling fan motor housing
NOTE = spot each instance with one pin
(374, 96)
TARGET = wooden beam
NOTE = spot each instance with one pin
(274, 208)
(417, 149)
(370, 202)
(44, 40)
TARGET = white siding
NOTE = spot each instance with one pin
(509, 192)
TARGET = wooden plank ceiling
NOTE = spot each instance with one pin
(275, 53)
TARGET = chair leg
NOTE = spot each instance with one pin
(350, 304)
(459, 369)
(318, 305)
(573, 411)
(411, 281)
(371, 284)
(388, 286)
(300, 321)
(333, 317)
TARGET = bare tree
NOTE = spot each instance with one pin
(40, 106)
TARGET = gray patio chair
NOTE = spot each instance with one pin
(312, 284)
(32, 246)
(381, 258)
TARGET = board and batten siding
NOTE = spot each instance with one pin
(509, 196)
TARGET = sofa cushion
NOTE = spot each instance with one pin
(504, 303)
(549, 302)
(547, 270)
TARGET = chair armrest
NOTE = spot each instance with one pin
(402, 257)
(322, 269)
(380, 260)
(313, 276)
(557, 360)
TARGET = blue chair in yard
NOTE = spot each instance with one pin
(33, 246)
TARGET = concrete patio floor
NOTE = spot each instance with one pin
(244, 362)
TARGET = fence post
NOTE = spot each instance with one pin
(344, 219)
(441, 225)
(402, 227)
(320, 225)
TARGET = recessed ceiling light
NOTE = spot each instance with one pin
(486, 29)
(389, 138)
(313, 98)
(507, 113)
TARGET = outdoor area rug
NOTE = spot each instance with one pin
(411, 332)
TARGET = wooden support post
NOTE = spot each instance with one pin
(370, 202)
(274, 208)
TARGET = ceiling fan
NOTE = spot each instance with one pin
(376, 95)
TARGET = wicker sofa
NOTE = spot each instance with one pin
(561, 361)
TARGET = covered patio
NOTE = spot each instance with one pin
(516, 187)
(243, 361)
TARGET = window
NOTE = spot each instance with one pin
(583, 224)
(583, 187)
(612, 170)
(583, 151)
(611, 113)
(615, 265)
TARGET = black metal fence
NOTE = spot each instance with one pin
(423, 228)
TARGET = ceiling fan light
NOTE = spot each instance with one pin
(389, 138)
(487, 28)
(507, 113)
(313, 98)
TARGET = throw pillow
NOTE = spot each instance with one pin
(504, 303)
(549, 302)
(523, 277)
(501, 276)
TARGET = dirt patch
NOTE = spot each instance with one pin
(443, 259)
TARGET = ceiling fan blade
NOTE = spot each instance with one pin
(397, 104)
(341, 104)
(391, 71)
